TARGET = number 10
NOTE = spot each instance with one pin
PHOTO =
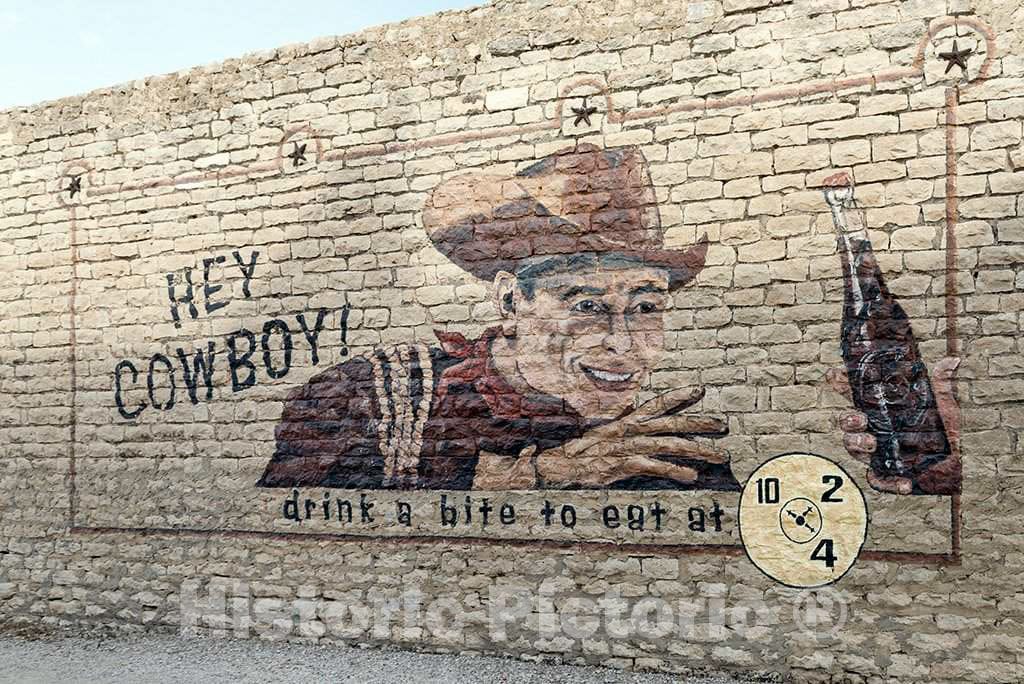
(768, 490)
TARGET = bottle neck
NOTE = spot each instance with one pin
(845, 227)
(854, 291)
(852, 243)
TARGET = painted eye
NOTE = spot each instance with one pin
(587, 306)
(646, 307)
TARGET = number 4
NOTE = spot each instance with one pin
(825, 553)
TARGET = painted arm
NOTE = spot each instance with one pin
(624, 448)
(327, 434)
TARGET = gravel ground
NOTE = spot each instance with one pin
(159, 658)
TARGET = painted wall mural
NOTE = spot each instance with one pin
(598, 340)
(572, 247)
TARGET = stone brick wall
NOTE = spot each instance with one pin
(291, 185)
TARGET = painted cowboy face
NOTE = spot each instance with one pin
(575, 247)
(590, 339)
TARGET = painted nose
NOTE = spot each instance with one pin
(618, 340)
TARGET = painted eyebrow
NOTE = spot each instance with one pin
(582, 289)
(649, 288)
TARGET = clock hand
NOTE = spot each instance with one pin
(795, 516)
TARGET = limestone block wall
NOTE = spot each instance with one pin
(268, 366)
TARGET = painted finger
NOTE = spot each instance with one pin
(839, 381)
(853, 421)
(668, 403)
(893, 485)
(528, 452)
(861, 445)
(682, 425)
(672, 446)
(639, 465)
(944, 386)
(945, 369)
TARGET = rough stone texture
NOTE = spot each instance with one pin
(192, 165)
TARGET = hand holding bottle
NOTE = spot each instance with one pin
(899, 423)
(941, 478)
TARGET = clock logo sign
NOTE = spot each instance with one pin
(802, 520)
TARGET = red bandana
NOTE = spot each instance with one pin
(477, 369)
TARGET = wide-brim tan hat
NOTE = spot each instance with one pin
(582, 200)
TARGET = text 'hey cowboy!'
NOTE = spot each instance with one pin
(244, 355)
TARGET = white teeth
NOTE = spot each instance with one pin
(609, 377)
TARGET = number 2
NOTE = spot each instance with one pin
(836, 483)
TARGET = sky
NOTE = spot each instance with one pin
(54, 48)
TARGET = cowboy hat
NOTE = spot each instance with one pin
(581, 200)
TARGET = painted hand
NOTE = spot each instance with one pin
(942, 478)
(629, 446)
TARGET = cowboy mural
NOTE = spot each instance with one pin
(573, 248)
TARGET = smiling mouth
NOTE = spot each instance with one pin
(606, 377)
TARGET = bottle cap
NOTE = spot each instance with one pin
(838, 189)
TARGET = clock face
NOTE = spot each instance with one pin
(802, 520)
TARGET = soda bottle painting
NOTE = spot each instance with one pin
(888, 379)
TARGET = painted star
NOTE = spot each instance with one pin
(583, 113)
(956, 57)
(298, 155)
(75, 186)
